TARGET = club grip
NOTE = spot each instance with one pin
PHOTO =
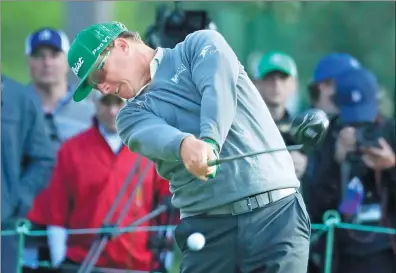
(212, 163)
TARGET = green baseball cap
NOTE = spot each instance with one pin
(276, 61)
(86, 49)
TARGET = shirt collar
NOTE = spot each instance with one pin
(113, 140)
(159, 55)
(104, 133)
(154, 64)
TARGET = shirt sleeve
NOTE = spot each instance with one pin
(40, 156)
(170, 217)
(146, 134)
(161, 187)
(215, 69)
(59, 191)
(57, 243)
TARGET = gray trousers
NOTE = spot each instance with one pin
(271, 239)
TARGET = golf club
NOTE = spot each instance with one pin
(231, 158)
(308, 128)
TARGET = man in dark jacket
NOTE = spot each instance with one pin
(356, 176)
(277, 81)
(27, 161)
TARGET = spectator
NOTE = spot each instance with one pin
(46, 49)
(89, 173)
(26, 165)
(277, 81)
(321, 90)
(354, 169)
(321, 94)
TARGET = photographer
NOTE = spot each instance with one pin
(356, 176)
(322, 90)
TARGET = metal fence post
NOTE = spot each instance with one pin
(22, 228)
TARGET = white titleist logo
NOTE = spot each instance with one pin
(77, 66)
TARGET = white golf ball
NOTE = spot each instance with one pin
(196, 241)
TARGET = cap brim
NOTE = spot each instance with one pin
(359, 114)
(46, 45)
(83, 90)
(271, 68)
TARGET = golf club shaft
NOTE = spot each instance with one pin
(231, 158)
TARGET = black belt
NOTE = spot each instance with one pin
(252, 202)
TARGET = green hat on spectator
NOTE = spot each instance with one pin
(86, 49)
(276, 61)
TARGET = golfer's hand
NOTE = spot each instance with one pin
(195, 154)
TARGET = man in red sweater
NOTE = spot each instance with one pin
(90, 171)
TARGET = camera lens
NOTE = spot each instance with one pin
(369, 133)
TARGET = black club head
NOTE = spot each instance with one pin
(309, 128)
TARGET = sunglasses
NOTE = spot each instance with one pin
(98, 75)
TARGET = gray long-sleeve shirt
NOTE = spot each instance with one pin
(201, 89)
(26, 151)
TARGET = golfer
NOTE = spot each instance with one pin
(188, 105)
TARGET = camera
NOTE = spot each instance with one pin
(367, 135)
(172, 26)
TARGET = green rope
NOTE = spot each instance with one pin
(315, 236)
(331, 220)
(322, 227)
(391, 231)
(40, 233)
(74, 268)
(319, 227)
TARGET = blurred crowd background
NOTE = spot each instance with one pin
(63, 164)
(307, 31)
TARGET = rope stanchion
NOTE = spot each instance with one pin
(22, 228)
(330, 218)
